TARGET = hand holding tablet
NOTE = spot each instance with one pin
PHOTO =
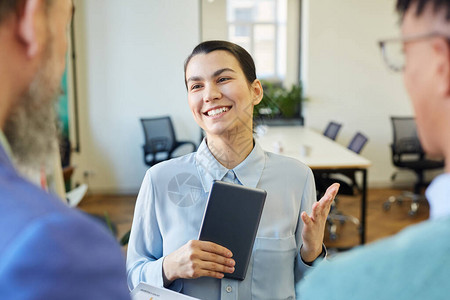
(231, 219)
(226, 238)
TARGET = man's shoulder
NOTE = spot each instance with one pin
(412, 242)
(409, 241)
(414, 254)
(54, 249)
(22, 199)
(24, 206)
(61, 254)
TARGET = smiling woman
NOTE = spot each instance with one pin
(221, 100)
(222, 90)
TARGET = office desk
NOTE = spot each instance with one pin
(318, 152)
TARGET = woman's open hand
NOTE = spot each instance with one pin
(313, 231)
(197, 259)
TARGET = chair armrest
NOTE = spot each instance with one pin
(181, 143)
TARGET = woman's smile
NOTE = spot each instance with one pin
(217, 111)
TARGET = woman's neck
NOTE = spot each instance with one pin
(232, 148)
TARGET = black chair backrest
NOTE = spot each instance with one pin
(357, 142)
(405, 138)
(159, 134)
(332, 130)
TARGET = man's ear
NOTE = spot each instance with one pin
(441, 48)
(257, 91)
(27, 19)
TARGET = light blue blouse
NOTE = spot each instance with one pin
(169, 212)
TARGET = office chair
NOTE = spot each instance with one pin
(160, 140)
(348, 185)
(407, 154)
(356, 145)
(346, 179)
(358, 142)
(332, 130)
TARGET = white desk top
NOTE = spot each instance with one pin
(310, 147)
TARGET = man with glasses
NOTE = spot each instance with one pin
(414, 264)
(47, 250)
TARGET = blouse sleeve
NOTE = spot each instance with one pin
(145, 247)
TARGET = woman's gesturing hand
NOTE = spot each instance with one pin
(196, 259)
(313, 231)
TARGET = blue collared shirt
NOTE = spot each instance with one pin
(438, 195)
(169, 211)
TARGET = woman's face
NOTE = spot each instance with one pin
(219, 95)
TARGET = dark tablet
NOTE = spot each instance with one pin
(231, 219)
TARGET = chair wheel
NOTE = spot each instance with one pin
(333, 236)
(386, 206)
(412, 213)
(360, 230)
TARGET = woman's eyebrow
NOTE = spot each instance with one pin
(220, 71)
(216, 73)
(194, 78)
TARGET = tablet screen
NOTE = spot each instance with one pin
(231, 219)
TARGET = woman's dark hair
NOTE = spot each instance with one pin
(243, 57)
(404, 5)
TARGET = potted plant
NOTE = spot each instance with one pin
(279, 102)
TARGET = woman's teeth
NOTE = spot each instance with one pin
(215, 112)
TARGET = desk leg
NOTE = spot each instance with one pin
(363, 206)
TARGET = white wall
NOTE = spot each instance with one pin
(346, 78)
(130, 65)
(292, 42)
(214, 20)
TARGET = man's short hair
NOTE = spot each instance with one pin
(9, 6)
(404, 5)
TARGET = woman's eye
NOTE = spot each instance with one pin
(195, 86)
(223, 79)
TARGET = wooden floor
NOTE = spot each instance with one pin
(379, 222)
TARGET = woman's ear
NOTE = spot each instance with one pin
(257, 92)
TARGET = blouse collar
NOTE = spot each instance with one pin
(248, 172)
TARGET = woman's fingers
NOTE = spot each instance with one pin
(306, 219)
(215, 267)
(321, 208)
(313, 230)
(212, 252)
(212, 248)
(332, 191)
(197, 259)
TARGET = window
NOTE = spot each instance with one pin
(260, 27)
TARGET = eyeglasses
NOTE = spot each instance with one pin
(393, 49)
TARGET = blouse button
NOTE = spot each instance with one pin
(229, 289)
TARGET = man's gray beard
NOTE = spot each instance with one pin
(31, 128)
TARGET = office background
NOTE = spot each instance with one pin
(130, 65)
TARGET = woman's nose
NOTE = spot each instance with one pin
(212, 93)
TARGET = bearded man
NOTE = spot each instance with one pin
(47, 250)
